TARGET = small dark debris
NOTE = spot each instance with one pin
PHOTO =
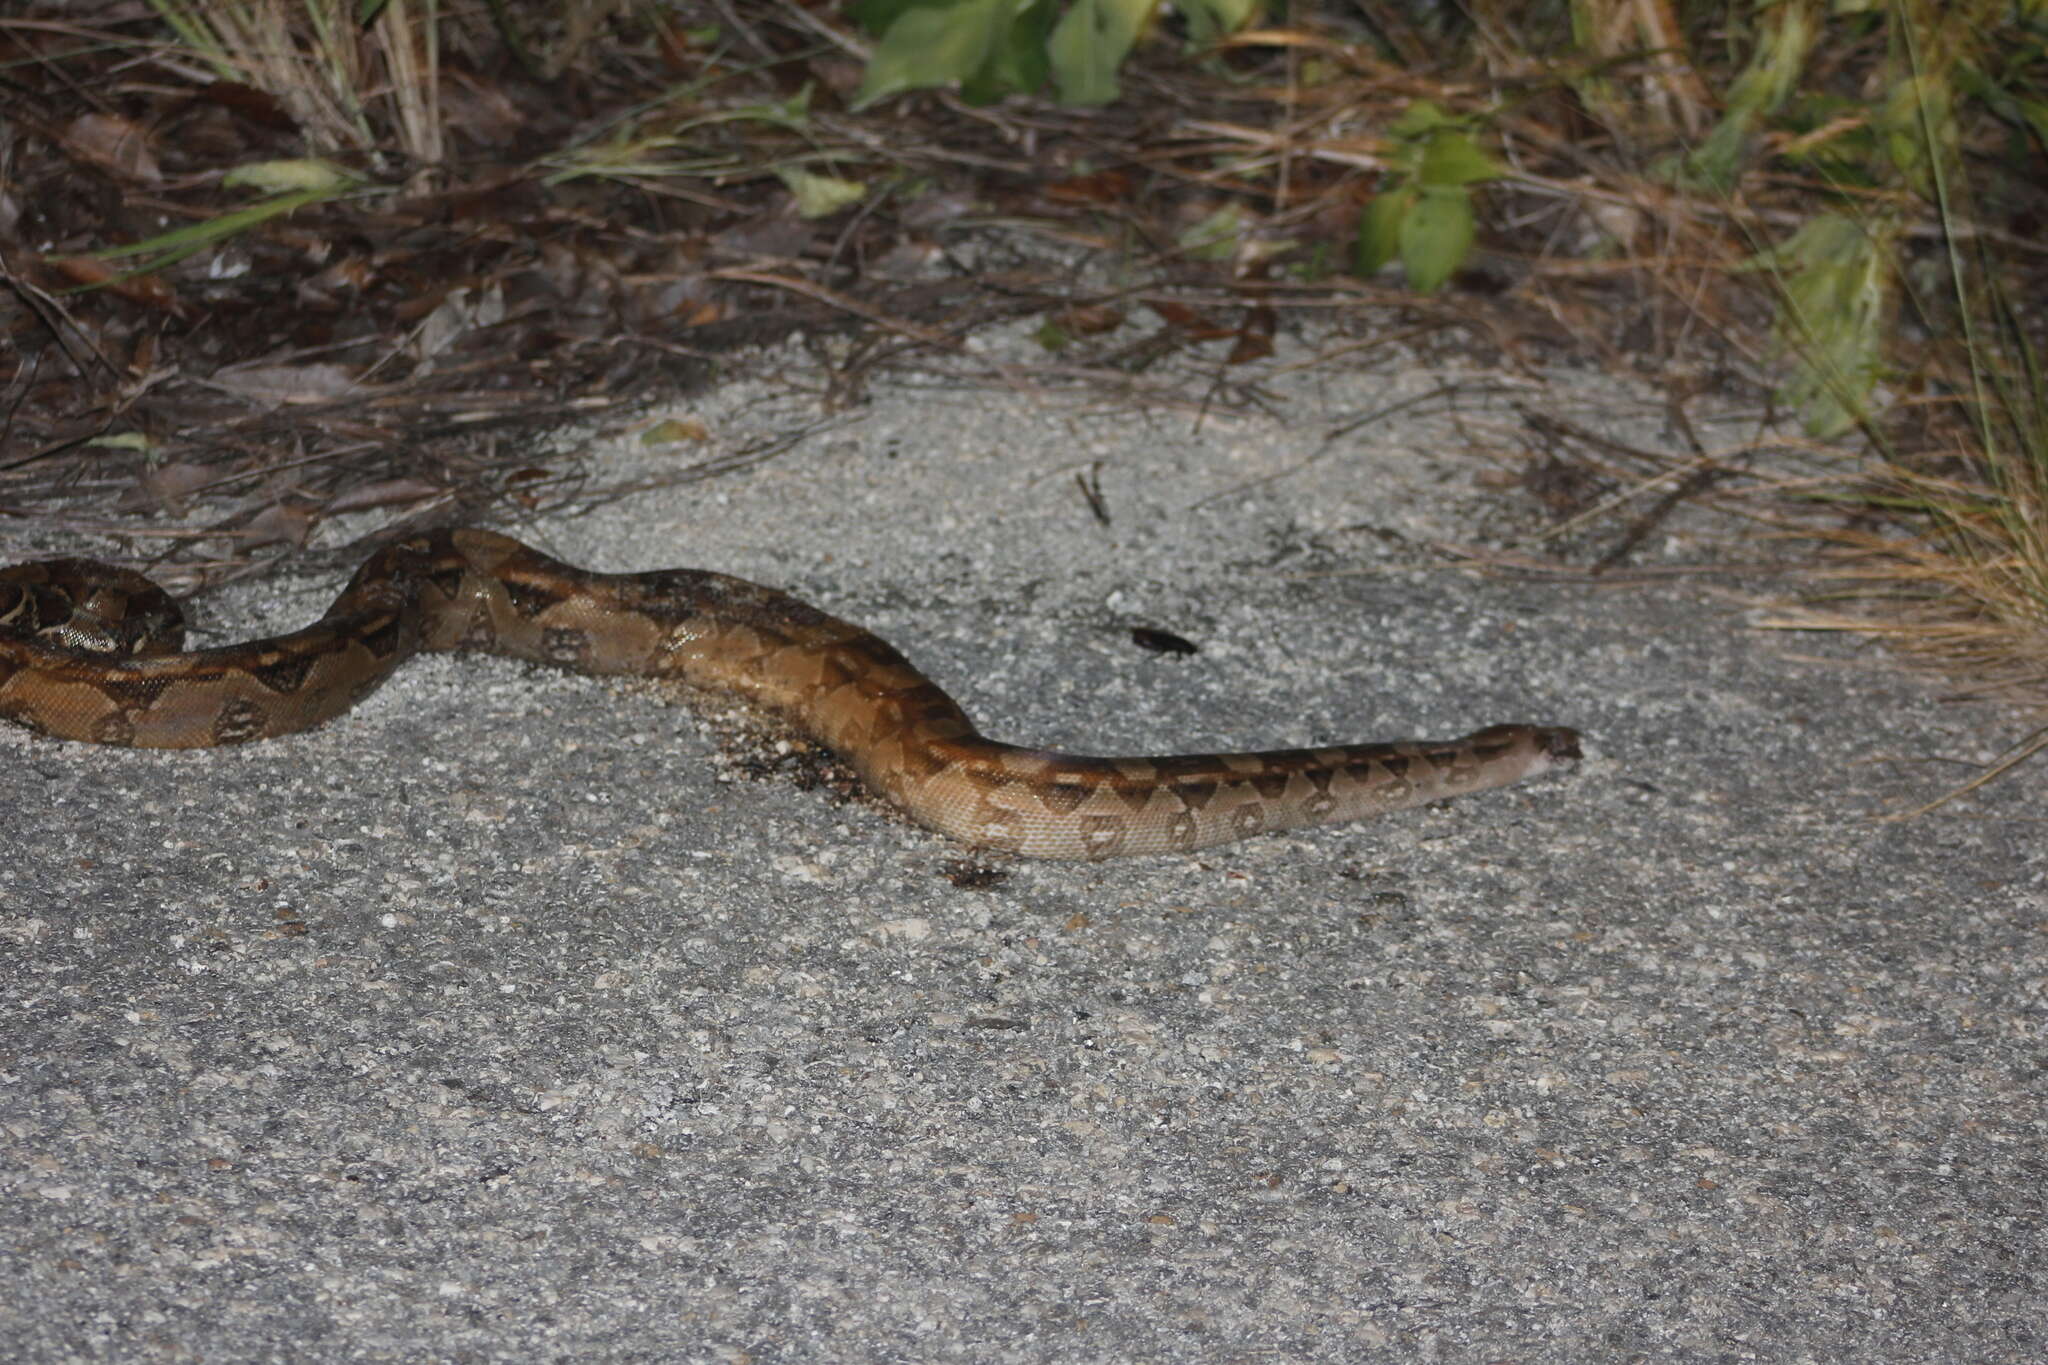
(1163, 641)
(973, 876)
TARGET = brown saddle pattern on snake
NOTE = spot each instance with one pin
(93, 653)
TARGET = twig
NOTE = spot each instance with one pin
(2026, 749)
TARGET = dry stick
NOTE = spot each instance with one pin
(56, 319)
(2027, 748)
(1684, 473)
(844, 302)
(1331, 437)
(1470, 556)
(1693, 484)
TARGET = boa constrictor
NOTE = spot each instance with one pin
(92, 653)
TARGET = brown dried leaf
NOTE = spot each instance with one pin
(1250, 346)
(1103, 187)
(1198, 325)
(523, 485)
(1091, 319)
(279, 523)
(115, 144)
(1255, 338)
(166, 487)
(327, 290)
(149, 290)
(287, 383)
(704, 314)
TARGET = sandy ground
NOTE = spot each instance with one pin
(505, 1019)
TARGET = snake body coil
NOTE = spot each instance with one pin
(92, 653)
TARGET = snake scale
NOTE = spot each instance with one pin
(92, 653)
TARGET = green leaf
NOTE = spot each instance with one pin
(1453, 158)
(1418, 119)
(1436, 236)
(875, 16)
(1835, 274)
(1379, 229)
(168, 248)
(1019, 61)
(930, 46)
(819, 195)
(127, 440)
(305, 173)
(1209, 20)
(1090, 43)
(1215, 238)
(2036, 114)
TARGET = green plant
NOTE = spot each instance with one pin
(1880, 157)
(993, 48)
(293, 185)
(1423, 215)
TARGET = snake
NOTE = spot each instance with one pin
(96, 653)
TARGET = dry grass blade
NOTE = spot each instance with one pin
(2018, 754)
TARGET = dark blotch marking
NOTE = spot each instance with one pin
(240, 721)
(564, 646)
(1272, 786)
(1173, 767)
(285, 674)
(1064, 795)
(447, 580)
(1134, 798)
(384, 636)
(530, 601)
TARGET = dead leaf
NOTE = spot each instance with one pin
(114, 144)
(279, 523)
(1103, 187)
(460, 310)
(327, 290)
(1091, 319)
(287, 383)
(165, 487)
(1198, 325)
(93, 273)
(1255, 338)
